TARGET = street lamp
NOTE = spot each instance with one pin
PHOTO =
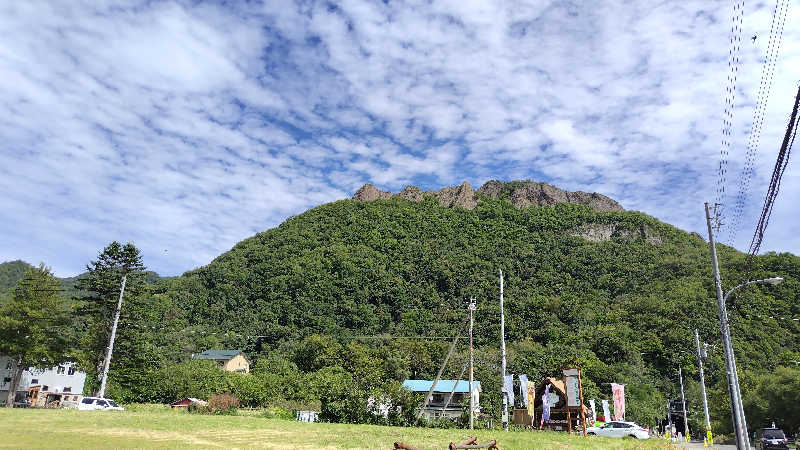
(733, 374)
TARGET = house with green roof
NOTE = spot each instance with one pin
(230, 360)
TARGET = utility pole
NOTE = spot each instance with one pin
(503, 355)
(110, 349)
(739, 425)
(709, 437)
(471, 366)
(683, 402)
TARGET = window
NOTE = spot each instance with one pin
(46, 388)
(71, 370)
(68, 389)
(438, 398)
(87, 401)
(774, 434)
(6, 380)
(60, 370)
(35, 381)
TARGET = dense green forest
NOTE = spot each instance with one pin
(330, 295)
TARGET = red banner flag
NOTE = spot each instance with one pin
(618, 391)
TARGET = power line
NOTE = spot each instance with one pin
(775, 181)
(735, 43)
(765, 87)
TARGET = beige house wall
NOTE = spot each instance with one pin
(237, 364)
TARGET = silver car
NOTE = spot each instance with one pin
(619, 429)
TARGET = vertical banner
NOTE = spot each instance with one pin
(606, 412)
(523, 389)
(531, 400)
(573, 388)
(593, 419)
(508, 382)
(618, 390)
(546, 404)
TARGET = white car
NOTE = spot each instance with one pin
(97, 403)
(619, 429)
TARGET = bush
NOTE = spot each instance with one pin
(277, 412)
(222, 404)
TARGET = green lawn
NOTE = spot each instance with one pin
(66, 429)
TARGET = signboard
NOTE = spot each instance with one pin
(573, 388)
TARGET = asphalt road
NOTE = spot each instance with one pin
(694, 445)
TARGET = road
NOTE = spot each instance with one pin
(698, 445)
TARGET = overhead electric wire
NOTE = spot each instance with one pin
(765, 87)
(775, 181)
(734, 49)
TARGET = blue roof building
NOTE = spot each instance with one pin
(438, 407)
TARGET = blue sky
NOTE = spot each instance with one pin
(186, 127)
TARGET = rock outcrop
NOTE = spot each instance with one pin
(520, 194)
(368, 193)
(411, 193)
(601, 232)
(458, 196)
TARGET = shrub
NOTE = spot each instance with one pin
(222, 404)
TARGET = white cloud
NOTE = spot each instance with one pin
(186, 126)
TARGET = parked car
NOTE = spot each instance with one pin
(770, 438)
(97, 403)
(619, 429)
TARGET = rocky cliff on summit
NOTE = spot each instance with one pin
(520, 193)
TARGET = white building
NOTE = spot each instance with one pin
(61, 385)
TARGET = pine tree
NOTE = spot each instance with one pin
(101, 287)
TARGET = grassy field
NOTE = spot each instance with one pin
(68, 429)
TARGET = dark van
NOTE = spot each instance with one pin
(771, 438)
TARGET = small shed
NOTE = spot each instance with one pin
(188, 401)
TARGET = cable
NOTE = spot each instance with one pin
(775, 182)
(734, 48)
(767, 75)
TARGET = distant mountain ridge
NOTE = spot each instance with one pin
(521, 194)
(11, 272)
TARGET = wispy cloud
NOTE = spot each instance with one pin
(186, 127)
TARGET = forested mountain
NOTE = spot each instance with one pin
(620, 291)
(11, 272)
(373, 288)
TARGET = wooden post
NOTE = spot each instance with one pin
(566, 402)
(583, 413)
(569, 422)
